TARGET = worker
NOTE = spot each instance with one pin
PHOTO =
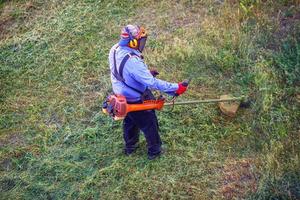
(131, 78)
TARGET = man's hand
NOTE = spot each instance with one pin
(182, 87)
(154, 72)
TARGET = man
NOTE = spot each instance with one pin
(131, 78)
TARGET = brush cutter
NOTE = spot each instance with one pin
(117, 107)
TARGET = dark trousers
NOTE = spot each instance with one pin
(146, 121)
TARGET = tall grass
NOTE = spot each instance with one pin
(55, 143)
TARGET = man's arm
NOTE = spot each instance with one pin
(142, 75)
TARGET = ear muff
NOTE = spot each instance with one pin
(133, 43)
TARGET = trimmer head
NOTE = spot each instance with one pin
(229, 108)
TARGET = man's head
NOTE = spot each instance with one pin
(133, 36)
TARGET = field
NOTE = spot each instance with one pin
(56, 143)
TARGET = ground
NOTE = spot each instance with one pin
(56, 143)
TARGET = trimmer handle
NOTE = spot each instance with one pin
(185, 83)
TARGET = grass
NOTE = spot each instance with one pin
(55, 143)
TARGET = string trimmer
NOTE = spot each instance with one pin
(117, 107)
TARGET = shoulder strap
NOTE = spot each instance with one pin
(119, 74)
(122, 65)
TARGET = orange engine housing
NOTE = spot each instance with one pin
(118, 107)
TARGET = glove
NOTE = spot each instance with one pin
(154, 72)
(182, 87)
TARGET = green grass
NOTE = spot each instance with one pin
(56, 144)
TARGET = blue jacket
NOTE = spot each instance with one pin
(136, 75)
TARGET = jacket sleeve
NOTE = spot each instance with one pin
(139, 72)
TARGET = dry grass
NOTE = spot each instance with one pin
(238, 178)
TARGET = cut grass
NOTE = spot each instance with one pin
(56, 144)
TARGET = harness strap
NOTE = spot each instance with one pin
(123, 62)
(119, 74)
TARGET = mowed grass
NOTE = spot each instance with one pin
(56, 144)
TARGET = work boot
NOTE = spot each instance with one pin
(152, 157)
(129, 151)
